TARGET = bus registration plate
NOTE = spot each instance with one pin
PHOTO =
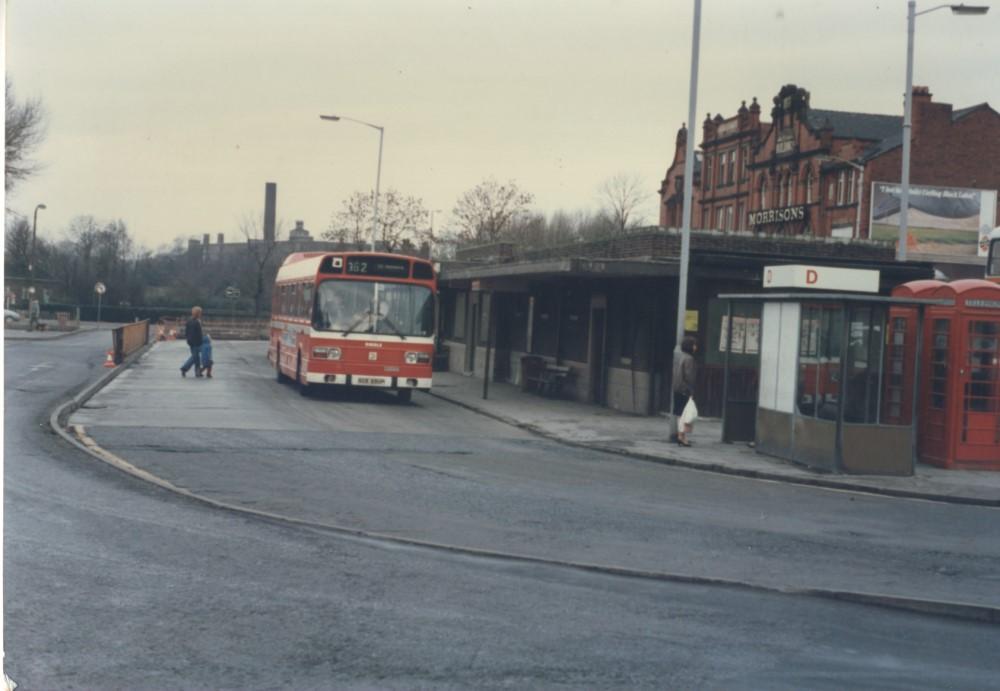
(372, 381)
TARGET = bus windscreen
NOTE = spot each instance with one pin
(371, 307)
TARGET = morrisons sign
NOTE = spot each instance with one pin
(784, 215)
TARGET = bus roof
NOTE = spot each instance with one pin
(306, 264)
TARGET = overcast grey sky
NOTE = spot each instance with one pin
(171, 115)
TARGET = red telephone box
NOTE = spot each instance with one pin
(959, 406)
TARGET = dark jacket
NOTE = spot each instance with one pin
(192, 332)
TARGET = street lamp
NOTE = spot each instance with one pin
(378, 173)
(31, 256)
(688, 180)
(861, 186)
(904, 195)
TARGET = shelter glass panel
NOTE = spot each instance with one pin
(864, 364)
(818, 387)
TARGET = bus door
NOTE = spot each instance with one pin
(979, 381)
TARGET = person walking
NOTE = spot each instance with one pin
(192, 333)
(684, 378)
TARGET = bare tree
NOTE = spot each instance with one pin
(24, 129)
(401, 219)
(488, 210)
(261, 254)
(353, 222)
(622, 198)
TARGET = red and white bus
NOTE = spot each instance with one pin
(354, 319)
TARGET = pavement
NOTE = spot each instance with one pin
(51, 331)
(648, 438)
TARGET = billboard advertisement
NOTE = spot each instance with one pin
(942, 220)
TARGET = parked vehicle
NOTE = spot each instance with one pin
(11, 316)
(354, 319)
(993, 258)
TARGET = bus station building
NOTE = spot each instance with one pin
(602, 315)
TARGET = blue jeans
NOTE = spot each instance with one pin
(194, 360)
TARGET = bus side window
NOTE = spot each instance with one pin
(307, 301)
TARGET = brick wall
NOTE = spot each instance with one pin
(963, 153)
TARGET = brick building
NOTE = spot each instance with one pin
(812, 172)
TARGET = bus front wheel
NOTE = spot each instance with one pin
(304, 388)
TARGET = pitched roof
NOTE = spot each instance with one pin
(856, 125)
(956, 114)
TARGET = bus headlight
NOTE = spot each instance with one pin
(413, 358)
(328, 352)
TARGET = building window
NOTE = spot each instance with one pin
(722, 168)
(763, 192)
(850, 188)
(732, 166)
(720, 218)
(830, 195)
(790, 190)
(746, 160)
(741, 216)
(840, 188)
(729, 217)
(708, 172)
(781, 192)
(809, 187)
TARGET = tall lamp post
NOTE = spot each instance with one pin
(861, 186)
(31, 256)
(378, 173)
(688, 180)
(904, 195)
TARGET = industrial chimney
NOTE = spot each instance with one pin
(270, 201)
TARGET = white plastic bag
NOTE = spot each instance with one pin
(690, 413)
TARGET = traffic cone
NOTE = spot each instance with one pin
(110, 359)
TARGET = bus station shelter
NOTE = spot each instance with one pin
(839, 375)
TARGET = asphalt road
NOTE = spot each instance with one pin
(110, 583)
(436, 472)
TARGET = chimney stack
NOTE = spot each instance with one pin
(270, 202)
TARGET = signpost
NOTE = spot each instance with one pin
(232, 294)
(100, 289)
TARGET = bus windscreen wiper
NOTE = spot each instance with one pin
(352, 327)
(392, 326)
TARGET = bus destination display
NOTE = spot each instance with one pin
(377, 266)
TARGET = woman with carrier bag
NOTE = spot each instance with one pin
(685, 372)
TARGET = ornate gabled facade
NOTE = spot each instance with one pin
(809, 172)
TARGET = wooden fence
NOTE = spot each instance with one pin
(129, 338)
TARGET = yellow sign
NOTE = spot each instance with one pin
(691, 320)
